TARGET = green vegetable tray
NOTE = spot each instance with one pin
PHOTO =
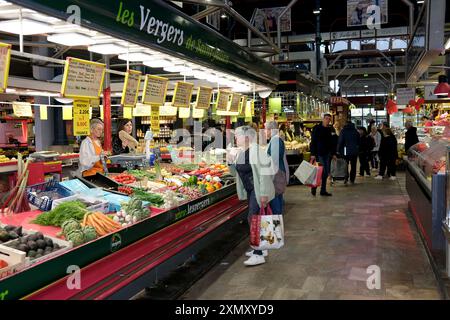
(52, 187)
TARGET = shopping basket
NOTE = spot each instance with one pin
(41, 195)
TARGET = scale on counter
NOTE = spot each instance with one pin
(128, 160)
(45, 155)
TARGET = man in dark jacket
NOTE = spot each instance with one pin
(322, 151)
(411, 137)
(348, 147)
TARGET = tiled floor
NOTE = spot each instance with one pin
(330, 243)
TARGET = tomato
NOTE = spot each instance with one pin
(3, 264)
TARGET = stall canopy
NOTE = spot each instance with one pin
(158, 25)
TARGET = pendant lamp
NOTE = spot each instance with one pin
(442, 88)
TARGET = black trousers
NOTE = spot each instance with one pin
(390, 165)
(352, 161)
(374, 159)
(364, 164)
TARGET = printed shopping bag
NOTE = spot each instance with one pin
(338, 168)
(266, 230)
(318, 178)
(306, 172)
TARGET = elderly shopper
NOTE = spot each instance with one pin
(254, 179)
(91, 151)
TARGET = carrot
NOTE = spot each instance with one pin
(108, 222)
(90, 221)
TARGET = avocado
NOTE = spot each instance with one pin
(10, 228)
(23, 240)
(48, 250)
(38, 256)
(40, 251)
(13, 235)
(23, 247)
(49, 242)
(32, 245)
(32, 253)
(18, 230)
(56, 246)
(32, 237)
(4, 236)
(39, 235)
(41, 244)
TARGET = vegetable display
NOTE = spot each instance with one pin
(154, 199)
(141, 174)
(9, 233)
(124, 178)
(63, 212)
(100, 222)
(35, 245)
(3, 264)
(17, 201)
(126, 190)
(131, 212)
(73, 231)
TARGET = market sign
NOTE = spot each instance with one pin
(142, 110)
(67, 113)
(184, 113)
(43, 112)
(5, 59)
(222, 100)
(82, 79)
(198, 113)
(22, 109)
(203, 98)
(155, 89)
(167, 111)
(81, 125)
(127, 112)
(235, 100)
(404, 95)
(131, 88)
(182, 94)
(242, 105)
(154, 118)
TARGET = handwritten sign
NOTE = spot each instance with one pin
(155, 89)
(222, 100)
(167, 111)
(242, 105)
(154, 119)
(5, 59)
(404, 95)
(142, 110)
(184, 113)
(22, 109)
(182, 95)
(198, 113)
(43, 112)
(131, 88)
(82, 79)
(203, 98)
(235, 100)
(81, 118)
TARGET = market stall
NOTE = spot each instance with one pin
(137, 212)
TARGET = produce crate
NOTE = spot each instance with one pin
(64, 246)
(44, 203)
(14, 258)
(102, 206)
(100, 180)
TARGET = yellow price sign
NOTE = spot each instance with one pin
(43, 112)
(155, 89)
(203, 98)
(198, 113)
(182, 94)
(127, 112)
(154, 118)
(242, 105)
(67, 112)
(222, 100)
(22, 109)
(130, 90)
(235, 100)
(5, 60)
(81, 118)
(142, 110)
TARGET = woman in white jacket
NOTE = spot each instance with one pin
(376, 136)
(91, 151)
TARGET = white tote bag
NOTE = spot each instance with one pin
(306, 172)
(269, 230)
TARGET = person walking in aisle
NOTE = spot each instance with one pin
(277, 151)
(376, 136)
(348, 147)
(388, 155)
(254, 179)
(322, 151)
(411, 137)
(365, 148)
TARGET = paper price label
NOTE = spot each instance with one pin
(235, 100)
(22, 109)
(182, 95)
(155, 89)
(81, 125)
(203, 98)
(5, 60)
(222, 100)
(131, 88)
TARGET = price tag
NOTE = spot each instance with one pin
(67, 113)
(81, 125)
(127, 112)
(184, 113)
(142, 110)
(43, 112)
(5, 60)
(248, 109)
(198, 113)
(82, 79)
(155, 89)
(167, 111)
(242, 105)
(154, 119)
(182, 95)
(102, 113)
(235, 100)
(130, 91)
(203, 98)
(222, 100)
(22, 109)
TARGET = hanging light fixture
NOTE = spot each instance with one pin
(442, 88)
(27, 26)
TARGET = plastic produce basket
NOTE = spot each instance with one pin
(45, 203)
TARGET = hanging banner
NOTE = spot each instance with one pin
(274, 105)
(43, 112)
(154, 120)
(184, 113)
(155, 89)
(127, 112)
(242, 105)
(235, 100)
(5, 59)
(222, 100)
(182, 94)
(67, 113)
(81, 118)
(142, 110)
(203, 98)
(22, 109)
(130, 90)
(82, 79)
(198, 113)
